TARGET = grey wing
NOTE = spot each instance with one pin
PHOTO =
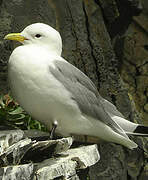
(110, 108)
(84, 92)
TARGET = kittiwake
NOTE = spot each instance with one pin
(52, 90)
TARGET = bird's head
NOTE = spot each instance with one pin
(39, 34)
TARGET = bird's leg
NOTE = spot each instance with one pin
(54, 126)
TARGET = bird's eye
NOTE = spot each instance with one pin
(37, 35)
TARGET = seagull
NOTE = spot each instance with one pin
(54, 91)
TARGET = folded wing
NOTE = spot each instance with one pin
(84, 92)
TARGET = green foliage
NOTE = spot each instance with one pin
(11, 114)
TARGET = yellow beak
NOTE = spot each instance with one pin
(15, 37)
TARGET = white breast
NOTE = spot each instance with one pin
(35, 88)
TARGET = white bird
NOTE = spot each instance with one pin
(52, 90)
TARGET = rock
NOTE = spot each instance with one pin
(142, 82)
(140, 100)
(144, 69)
(110, 10)
(123, 164)
(134, 162)
(20, 172)
(134, 54)
(77, 158)
(112, 159)
(8, 138)
(45, 149)
(147, 92)
(134, 42)
(14, 154)
(144, 174)
(50, 159)
(26, 150)
(129, 74)
(144, 116)
(64, 166)
(146, 107)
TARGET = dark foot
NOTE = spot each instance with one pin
(54, 126)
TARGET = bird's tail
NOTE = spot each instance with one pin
(127, 143)
(140, 130)
(131, 128)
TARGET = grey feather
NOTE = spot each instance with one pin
(110, 108)
(84, 92)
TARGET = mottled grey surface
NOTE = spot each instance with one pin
(22, 172)
(114, 168)
(8, 139)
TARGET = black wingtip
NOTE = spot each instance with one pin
(141, 129)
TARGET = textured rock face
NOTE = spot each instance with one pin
(134, 69)
(86, 44)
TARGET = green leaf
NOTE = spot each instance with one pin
(19, 110)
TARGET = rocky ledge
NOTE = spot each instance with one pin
(25, 155)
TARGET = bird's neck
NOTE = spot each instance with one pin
(54, 49)
(51, 49)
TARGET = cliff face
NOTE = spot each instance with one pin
(87, 28)
(134, 69)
